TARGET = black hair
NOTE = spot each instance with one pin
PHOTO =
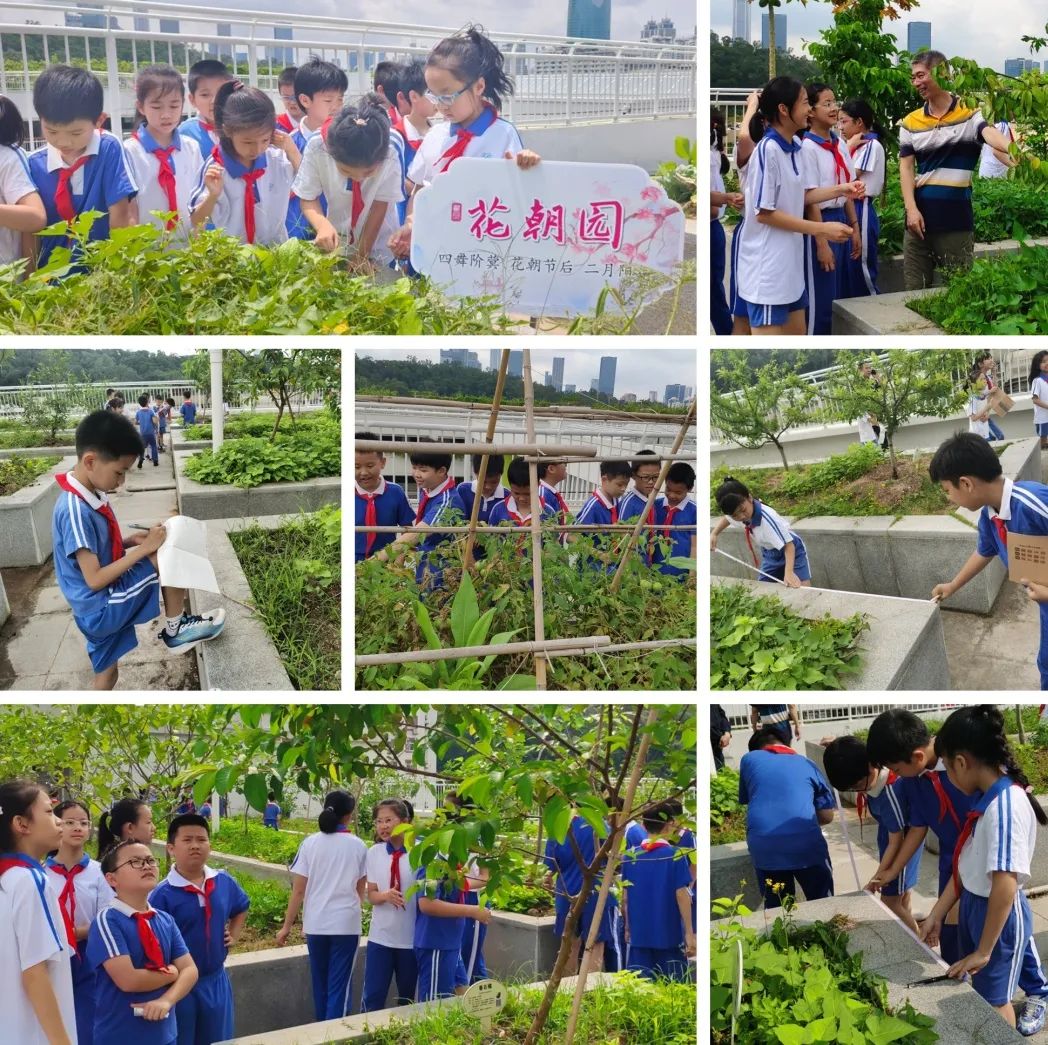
(1035, 364)
(894, 736)
(108, 434)
(337, 806)
(287, 77)
(412, 78)
(431, 460)
(845, 763)
(518, 472)
(763, 737)
(681, 472)
(110, 391)
(978, 730)
(657, 817)
(860, 109)
(470, 55)
(638, 461)
(71, 803)
(270, 796)
(143, 399)
(187, 820)
(964, 454)
(206, 69)
(12, 132)
(64, 93)
(163, 78)
(112, 822)
(730, 494)
(241, 108)
(783, 90)
(401, 808)
(815, 88)
(16, 799)
(929, 59)
(718, 127)
(496, 462)
(387, 76)
(358, 136)
(187, 394)
(111, 857)
(544, 467)
(613, 469)
(116, 403)
(169, 401)
(317, 75)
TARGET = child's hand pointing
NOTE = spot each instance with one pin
(1036, 592)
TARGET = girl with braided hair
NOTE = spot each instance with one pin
(991, 864)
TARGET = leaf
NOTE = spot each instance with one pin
(256, 791)
(464, 611)
(882, 1028)
(792, 1034)
(556, 817)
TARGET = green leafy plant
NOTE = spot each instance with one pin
(756, 643)
(856, 461)
(256, 425)
(727, 815)
(18, 472)
(677, 177)
(239, 837)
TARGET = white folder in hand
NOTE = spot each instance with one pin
(182, 557)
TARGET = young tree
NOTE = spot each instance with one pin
(763, 403)
(282, 374)
(66, 400)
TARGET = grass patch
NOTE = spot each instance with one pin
(22, 438)
(259, 424)
(19, 472)
(295, 575)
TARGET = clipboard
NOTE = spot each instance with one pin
(1027, 557)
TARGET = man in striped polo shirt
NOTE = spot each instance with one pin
(939, 147)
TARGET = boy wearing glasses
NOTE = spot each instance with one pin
(289, 119)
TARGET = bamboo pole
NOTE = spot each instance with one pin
(621, 647)
(380, 446)
(616, 582)
(423, 655)
(512, 530)
(478, 491)
(536, 520)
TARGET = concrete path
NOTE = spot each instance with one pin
(40, 645)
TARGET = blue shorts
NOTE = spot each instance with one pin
(778, 568)
(768, 315)
(605, 933)
(134, 598)
(1041, 429)
(205, 1014)
(436, 972)
(907, 879)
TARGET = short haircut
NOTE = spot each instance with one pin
(372, 437)
(287, 76)
(518, 473)
(187, 820)
(763, 737)
(143, 400)
(12, 132)
(613, 469)
(431, 460)
(846, 762)
(108, 434)
(413, 78)
(640, 460)
(207, 69)
(544, 467)
(387, 76)
(964, 454)
(894, 736)
(681, 472)
(187, 394)
(110, 391)
(358, 136)
(63, 93)
(929, 59)
(169, 401)
(496, 462)
(317, 75)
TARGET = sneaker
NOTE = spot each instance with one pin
(156, 464)
(139, 464)
(194, 629)
(1031, 1019)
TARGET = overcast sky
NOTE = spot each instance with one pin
(636, 370)
(985, 32)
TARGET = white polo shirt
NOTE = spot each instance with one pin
(1003, 840)
(332, 865)
(391, 926)
(27, 938)
(771, 532)
(15, 183)
(318, 175)
(498, 139)
(93, 892)
(824, 170)
(976, 405)
(771, 261)
(868, 162)
(716, 181)
(186, 161)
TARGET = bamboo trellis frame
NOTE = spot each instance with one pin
(542, 649)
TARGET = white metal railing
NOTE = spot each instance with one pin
(559, 80)
(732, 103)
(739, 714)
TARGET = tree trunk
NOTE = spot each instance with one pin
(892, 458)
(782, 453)
(771, 42)
(1019, 722)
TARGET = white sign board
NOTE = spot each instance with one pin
(182, 558)
(545, 241)
(485, 999)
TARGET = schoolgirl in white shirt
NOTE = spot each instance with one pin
(863, 135)
(1039, 395)
(21, 206)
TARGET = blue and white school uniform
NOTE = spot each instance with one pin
(720, 314)
(888, 803)
(860, 275)
(114, 933)
(185, 160)
(31, 933)
(204, 134)
(684, 514)
(107, 617)
(552, 496)
(770, 260)
(489, 135)
(976, 405)
(319, 178)
(635, 834)
(332, 864)
(508, 511)
(90, 894)
(391, 939)
(631, 504)
(438, 942)
(15, 184)
(768, 531)
(1024, 509)
(270, 193)
(188, 412)
(462, 501)
(146, 419)
(1039, 388)
(829, 163)
(653, 872)
(271, 814)
(1003, 832)
(433, 509)
(734, 306)
(205, 1015)
(104, 180)
(471, 966)
(599, 510)
(295, 222)
(391, 509)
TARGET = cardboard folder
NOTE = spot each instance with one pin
(1000, 401)
(1027, 557)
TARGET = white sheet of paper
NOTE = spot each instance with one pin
(182, 557)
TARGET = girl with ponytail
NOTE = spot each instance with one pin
(863, 135)
(130, 818)
(328, 876)
(991, 864)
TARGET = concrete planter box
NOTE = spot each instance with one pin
(25, 519)
(5, 606)
(731, 873)
(39, 451)
(961, 1016)
(903, 648)
(883, 314)
(207, 501)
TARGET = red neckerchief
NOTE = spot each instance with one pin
(966, 831)
(209, 127)
(1002, 528)
(653, 843)
(749, 542)
(779, 749)
(841, 174)
(426, 495)
(105, 511)
(63, 195)
(612, 506)
(518, 519)
(394, 868)
(396, 121)
(149, 941)
(370, 515)
(357, 205)
(285, 124)
(945, 805)
(67, 898)
(862, 803)
(165, 176)
(209, 888)
(462, 140)
(248, 178)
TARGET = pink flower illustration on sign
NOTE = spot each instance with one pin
(485, 221)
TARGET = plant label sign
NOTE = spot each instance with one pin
(1027, 558)
(485, 999)
(548, 240)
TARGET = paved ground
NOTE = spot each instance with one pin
(40, 646)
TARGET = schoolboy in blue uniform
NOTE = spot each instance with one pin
(81, 168)
(210, 909)
(188, 410)
(656, 903)
(112, 584)
(884, 793)
(786, 802)
(645, 474)
(271, 814)
(379, 502)
(515, 507)
(675, 507)
(602, 509)
(205, 78)
(970, 474)
(492, 490)
(146, 419)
